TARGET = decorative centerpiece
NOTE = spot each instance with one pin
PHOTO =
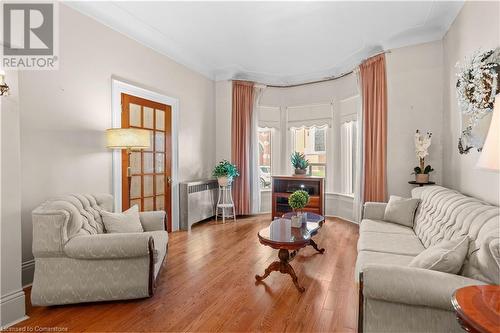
(225, 172)
(422, 144)
(297, 201)
(300, 163)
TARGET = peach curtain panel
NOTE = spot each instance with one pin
(374, 95)
(241, 135)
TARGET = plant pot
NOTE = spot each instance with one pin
(225, 181)
(422, 178)
(300, 171)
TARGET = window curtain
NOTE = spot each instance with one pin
(241, 149)
(254, 156)
(374, 97)
(360, 169)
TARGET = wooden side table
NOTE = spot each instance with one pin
(478, 308)
(412, 182)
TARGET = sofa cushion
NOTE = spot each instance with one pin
(447, 256)
(83, 212)
(382, 226)
(483, 260)
(390, 243)
(401, 210)
(445, 214)
(370, 257)
(125, 222)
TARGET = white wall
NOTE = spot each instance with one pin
(414, 101)
(64, 114)
(11, 293)
(476, 27)
(223, 111)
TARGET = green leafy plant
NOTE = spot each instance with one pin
(418, 170)
(298, 199)
(299, 161)
(225, 169)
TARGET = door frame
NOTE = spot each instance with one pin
(118, 87)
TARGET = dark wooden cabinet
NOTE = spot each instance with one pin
(283, 186)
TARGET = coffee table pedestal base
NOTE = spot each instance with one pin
(283, 266)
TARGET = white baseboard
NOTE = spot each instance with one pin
(12, 308)
(27, 272)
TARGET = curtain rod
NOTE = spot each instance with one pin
(332, 78)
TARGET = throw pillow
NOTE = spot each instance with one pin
(125, 222)
(401, 210)
(447, 256)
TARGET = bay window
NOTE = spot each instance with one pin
(311, 141)
(347, 156)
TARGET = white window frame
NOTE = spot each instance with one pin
(344, 155)
(271, 137)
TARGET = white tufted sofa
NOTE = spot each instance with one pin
(76, 261)
(398, 298)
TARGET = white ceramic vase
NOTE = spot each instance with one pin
(225, 181)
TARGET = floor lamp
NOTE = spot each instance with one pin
(490, 154)
(129, 139)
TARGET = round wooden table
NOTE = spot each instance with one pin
(478, 308)
(285, 238)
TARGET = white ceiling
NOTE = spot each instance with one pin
(274, 42)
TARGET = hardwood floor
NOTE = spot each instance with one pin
(208, 284)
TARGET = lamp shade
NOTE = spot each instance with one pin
(127, 138)
(490, 154)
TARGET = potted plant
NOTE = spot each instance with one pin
(225, 171)
(422, 144)
(299, 162)
(297, 201)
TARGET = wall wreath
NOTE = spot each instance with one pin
(477, 85)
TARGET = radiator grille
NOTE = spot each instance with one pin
(201, 187)
(197, 201)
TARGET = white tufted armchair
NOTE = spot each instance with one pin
(76, 261)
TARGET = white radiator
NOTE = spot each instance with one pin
(197, 201)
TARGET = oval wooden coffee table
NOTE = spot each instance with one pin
(478, 308)
(289, 239)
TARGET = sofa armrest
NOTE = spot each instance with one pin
(153, 221)
(374, 210)
(109, 246)
(413, 286)
(49, 232)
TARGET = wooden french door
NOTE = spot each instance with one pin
(151, 169)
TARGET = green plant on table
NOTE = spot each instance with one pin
(298, 200)
(225, 169)
(299, 161)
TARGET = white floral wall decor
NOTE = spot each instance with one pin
(477, 85)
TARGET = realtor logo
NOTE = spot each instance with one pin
(29, 35)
